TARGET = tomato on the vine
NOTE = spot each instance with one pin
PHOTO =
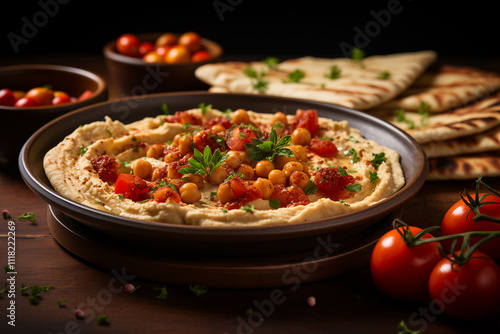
(128, 44)
(469, 291)
(458, 219)
(400, 271)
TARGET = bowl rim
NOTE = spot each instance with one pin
(111, 53)
(101, 84)
(389, 204)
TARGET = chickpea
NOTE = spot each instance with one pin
(291, 167)
(194, 178)
(173, 174)
(233, 159)
(225, 193)
(185, 144)
(246, 170)
(263, 168)
(299, 179)
(172, 156)
(155, 151)
(189, 192)
(301, 136)
(218, 128)
(240, 116)
(175, 142)
(142, 168)
(299, 151)
(279, 117)
(277, 177)
(281, 161)
(266, 187)
(218, 175)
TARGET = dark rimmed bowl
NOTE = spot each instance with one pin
(18, 124)
(132, 76)
(238, 241)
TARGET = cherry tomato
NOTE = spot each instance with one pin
(60, 98)
(192, 41)
(162, 51)
(238, 137)
(7, 98)
(132, 187)
(152, 57)
(26, 102)
(323, 148)
(166, 39)
(177, 55)
(289, 196)
(332, 184)
(145, 47)
(402, 272)
(469, 291)
(200, 56)
(128, 45)
(458, 220)
(42, 95)
(307, 119)
(85, 95)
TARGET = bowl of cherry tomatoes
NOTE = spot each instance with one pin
(31, 95)
(158, 62)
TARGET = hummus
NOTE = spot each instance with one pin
(339, 172)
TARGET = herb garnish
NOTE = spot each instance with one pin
(378, 159)
(334, 73)
(354, 188)
(164, 109)
(357, 55)
(204, 108)
(310, 188)
(198, 290)
(204, 163)
(295, 76)
(400, 115)
(351, 138)
(267, 150)
(274, 203)
(103, 320)
(423, 110)
(163, 293)
(83, 150)
(259, 83)
(384, 75)
(352, 153)
(373, 177)
(35, 290)
(61, 301)
(27, 216)
(248, 208)
(271, 62)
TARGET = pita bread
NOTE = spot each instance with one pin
(466, 121)
(357, 86)
(465, 167)
(445, 88)
(483, 142)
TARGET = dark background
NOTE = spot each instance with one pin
(452, 28)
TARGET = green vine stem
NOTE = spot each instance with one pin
(476, 203)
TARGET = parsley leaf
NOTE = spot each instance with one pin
(83, 150)
(310, 188)
(274, 203)
(351, 138)
(423, 110)
(248, 208)
(334, 73)
(164, 109)
(204, 108)
(163, 293)
(35, 290)
(384, 75)
(354, 188)
(103, 320)
(61, 301)
(400, 115)
(352, 153)
(204, 163)
(295, 76)
(27, 216)
(260, 150)
(198, 290)
(373, 177)
(357, 55)
(403, 329)
(259, 83)
(271, 62)
(378, 159)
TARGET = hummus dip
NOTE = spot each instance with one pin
(234, 168)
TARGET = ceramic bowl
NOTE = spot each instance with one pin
(133, 76)
(18, 124)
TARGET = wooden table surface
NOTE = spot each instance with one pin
(349, 303)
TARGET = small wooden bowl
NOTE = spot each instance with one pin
(133, 76)
(18, 124)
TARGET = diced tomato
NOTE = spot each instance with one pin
(307, 119)
(208, 138)
(323, 148)
(331, 183)
(224, 121)
(184, 117)
(237, 138)
(85, 95)
(132, 187)
(106, 167)
(251, 194)
(165, 193)
(289, 196)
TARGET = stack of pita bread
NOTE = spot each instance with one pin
(453, 112)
